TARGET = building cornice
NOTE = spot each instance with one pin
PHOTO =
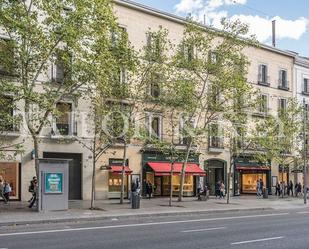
(302, 61)
(181, 20)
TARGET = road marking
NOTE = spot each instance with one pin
(140, 224)
(205, 229)
(256, 240)
(303, 212)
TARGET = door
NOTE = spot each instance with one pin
(75, 172)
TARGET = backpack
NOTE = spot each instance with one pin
(31, 187)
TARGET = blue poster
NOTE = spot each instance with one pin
(53, 183)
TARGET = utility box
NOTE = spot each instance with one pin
(53, 184)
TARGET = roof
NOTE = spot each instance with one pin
(302, 61)
(181, 20)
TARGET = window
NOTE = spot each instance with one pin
(263, 78)
(62, 69)
(263, 104)
(282, 105)
(154, 123)
(188, 52)
(214, 97)
(306, 85)
(64, 120)
(215, 138)
(212, 57)
(117, 35)
(6, 57)
(283, 83)
(185, 129)
(7, 119)
(154, 47)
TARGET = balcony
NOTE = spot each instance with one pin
(215, 144)
(263, 80)
(11, 129)
(64, 130)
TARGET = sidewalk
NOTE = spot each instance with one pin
(18, 212)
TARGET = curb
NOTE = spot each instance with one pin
(126, 217)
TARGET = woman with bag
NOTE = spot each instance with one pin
(222, 190)
(7, 190)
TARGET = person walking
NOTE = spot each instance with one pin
(7, 190)
(2, 191)
(31, 187)
(149, 189)
(222, 190)
(258, 186)
(217, 188)
(277, 189)
(35, 193)
(291, 187)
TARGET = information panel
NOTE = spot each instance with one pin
(53, 183)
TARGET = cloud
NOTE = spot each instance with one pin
(212, 11)
(186, 6)
(262, 27)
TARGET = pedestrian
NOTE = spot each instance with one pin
(277, 189)
(222, 190)
(298, 191)
(35, 193)
(258, 186)
(31, 187)
(149, 189)
(7, 190)
(261, 187)
(291, 187)
(2, 190)
(217, 188)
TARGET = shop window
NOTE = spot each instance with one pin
(63, 120)
(249, 181)
(114, 183)
(10, 172)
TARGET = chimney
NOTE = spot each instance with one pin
(274, 32)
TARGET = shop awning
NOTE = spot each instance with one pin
(118, 170)
(164, 168)
(251, 167)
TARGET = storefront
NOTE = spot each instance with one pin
(157, 169)
(10, 172)
(246, 174)
(115, 178)
(215, 172)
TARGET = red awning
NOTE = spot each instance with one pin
(118, 170)
(164, 168)
(249, 167)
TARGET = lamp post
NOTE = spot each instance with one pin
(305, 151)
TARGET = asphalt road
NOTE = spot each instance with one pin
(281, 229)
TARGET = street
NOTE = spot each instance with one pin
(251, 229)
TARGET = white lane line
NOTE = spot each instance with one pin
(256, 240)
(140, 224)
(202, 230)
(303, 212)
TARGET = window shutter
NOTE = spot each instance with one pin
(306, 85)
(260, 73)
(59, 73)
(281, 78)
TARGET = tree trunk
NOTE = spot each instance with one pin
(171, 185)
(123, 171)
(93, 178)
(183, 170)
(229, 182)
(36, 154)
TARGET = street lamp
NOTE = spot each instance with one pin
(305, 151)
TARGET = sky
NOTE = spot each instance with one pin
(292, 17)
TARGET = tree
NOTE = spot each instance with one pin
(278, 136)
(213, 64)
(72, 36)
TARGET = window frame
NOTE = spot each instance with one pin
(72, 129)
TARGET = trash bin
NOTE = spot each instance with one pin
(135, 200)
(265, 193)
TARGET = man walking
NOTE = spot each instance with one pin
(258, 187)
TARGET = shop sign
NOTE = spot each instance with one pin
(53, 183)
(160, 157)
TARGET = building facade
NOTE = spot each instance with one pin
(271, 71)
